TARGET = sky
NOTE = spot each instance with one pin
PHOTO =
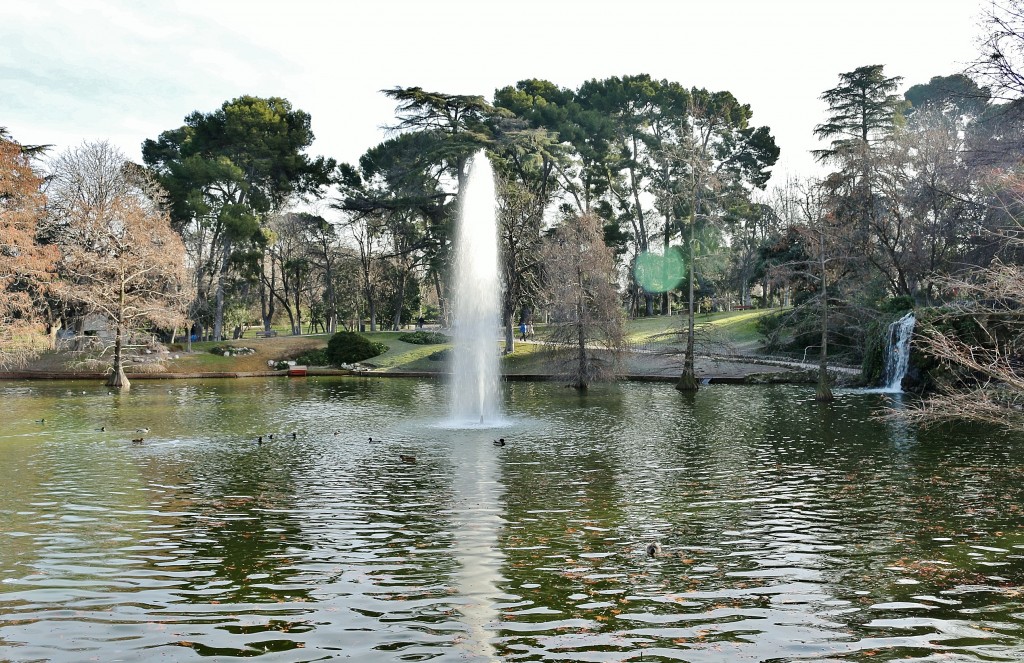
(126, 70)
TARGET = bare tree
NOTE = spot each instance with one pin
(819, 255)
(1000, 62)
(586, 324)
(520, 216)
(120, 257)
(26, 266)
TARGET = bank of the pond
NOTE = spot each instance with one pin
(651, 356)
(741, 374)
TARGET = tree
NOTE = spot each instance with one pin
(814, 255)
(720, 157)
(862, 110)
(120, 256)
(397, 211)
(580, 274)
(1000, 63)
(226, 171)
(26, 266)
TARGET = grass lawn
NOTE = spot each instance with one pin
(724, 332)
(406, 356)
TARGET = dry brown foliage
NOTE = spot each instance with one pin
(26, 267)
(586, 313)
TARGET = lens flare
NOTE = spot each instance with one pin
(659, 273)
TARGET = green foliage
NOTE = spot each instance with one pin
(957, 92)
(861, 108)
(873, 364)
(349, 348)
(896, 305)
(423, 338)
(441, 355)
(317, 357)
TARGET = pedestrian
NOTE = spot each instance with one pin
(522, 329)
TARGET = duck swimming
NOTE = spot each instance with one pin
(653, 549)
(500, 442)
(407, 459)
(137, 440)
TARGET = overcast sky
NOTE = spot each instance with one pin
(125, 70)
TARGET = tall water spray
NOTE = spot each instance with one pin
(897, 352)
(475, 396)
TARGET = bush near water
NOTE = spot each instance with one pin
(424, 338)
(347, 347)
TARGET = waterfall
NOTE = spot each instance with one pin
(477, 290)
(897, 352)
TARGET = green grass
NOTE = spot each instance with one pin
(734, 327)
(407, 356)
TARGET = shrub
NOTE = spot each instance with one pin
(441, 355)
(349, 347)
(316, 357)
(423, 338)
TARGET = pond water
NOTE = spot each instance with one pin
(791, 531)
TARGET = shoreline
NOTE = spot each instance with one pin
(789, 375)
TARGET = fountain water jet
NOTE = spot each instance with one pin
(475, 390)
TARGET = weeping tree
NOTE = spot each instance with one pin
(586, 316)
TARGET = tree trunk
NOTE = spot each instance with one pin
(400, 297)
(218, 312)
(297, 328)
(117, 377)
(441, 303)
(581, 382)
(506, 321)
(331, 314)
(688, 380)
(824, 393)
(52, 332)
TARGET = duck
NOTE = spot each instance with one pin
(138, 440)
(407, 459)
(103, 429)
(141, 430)
(500, 442)
(259, 440)
(373, 441)
(653, 549)
(40, 421)
(294, 435)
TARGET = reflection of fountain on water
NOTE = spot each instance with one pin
(475, 392)
(476, 518)
(897, 353)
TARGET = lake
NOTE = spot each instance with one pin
(790, 530)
